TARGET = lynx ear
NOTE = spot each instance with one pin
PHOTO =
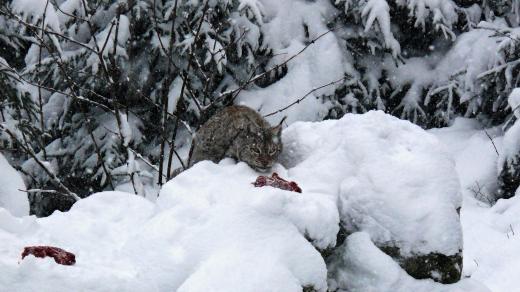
(277, 130)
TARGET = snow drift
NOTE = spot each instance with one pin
(212, 229)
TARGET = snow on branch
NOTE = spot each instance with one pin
(378, 10)
(43, 164)
(36, 11)
(441, 12)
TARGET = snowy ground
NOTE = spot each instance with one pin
(212, 228)
(491, 235)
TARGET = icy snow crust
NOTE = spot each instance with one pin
(212, 229)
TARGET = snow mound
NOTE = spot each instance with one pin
(212, 229)
(11, 198)
(188, 242)
(228, 183)
(246, 232)
(361, 266)
(391, 179)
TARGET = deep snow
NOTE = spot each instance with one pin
(491, 240)
(212, 229)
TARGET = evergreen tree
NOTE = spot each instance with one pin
(122, 84)
(417, 59)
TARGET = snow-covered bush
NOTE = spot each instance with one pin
(115, 85)
(423, 64)
(390, 179)
(509, 162)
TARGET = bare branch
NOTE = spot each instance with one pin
(305, 96)
(259, 76)
(492, 142)
(181, 94)
(154, 167)
(40, 101)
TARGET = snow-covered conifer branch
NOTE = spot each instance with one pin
(27, 149)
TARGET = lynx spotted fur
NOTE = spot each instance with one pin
(241, 133)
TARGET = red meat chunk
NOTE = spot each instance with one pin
(60, 256)
(276, 181)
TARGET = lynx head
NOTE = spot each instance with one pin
(263, 147)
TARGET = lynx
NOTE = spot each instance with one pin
(241, 133)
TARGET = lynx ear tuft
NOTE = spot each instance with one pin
(277, 130)
(283, 120)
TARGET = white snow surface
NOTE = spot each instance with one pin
(11, 198)
(211, 229)
(124, 242)
(491, 237)
(34, 10)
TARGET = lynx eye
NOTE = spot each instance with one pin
(254, 150)
(272, 150)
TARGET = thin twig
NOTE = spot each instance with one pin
(305, 96)
(492, 142)
(40, 99)
(42, 191)
(261, 75)
(154, 167)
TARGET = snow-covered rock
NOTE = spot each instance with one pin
(391, 179)
(360, 266)
(11, 198)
